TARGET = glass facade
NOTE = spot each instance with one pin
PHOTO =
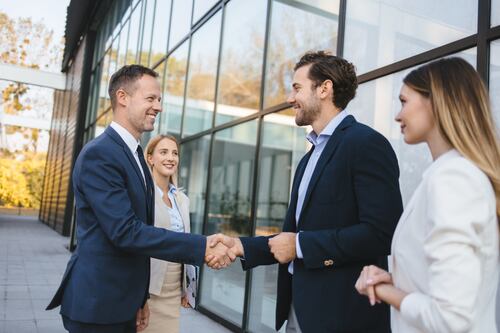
(226, 68)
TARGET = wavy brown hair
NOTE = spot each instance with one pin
(461, 107)
(150, 148)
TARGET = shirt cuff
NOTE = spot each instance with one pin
(297, 247)
(412, 308)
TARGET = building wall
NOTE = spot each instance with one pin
(59, 165)
(226, 68)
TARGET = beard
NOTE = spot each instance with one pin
(308, 113)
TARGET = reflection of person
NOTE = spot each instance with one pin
(344, 206)
(171, 212)
(445, 249)
(105, 286)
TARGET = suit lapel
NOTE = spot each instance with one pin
(326, 155)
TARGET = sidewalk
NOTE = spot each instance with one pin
(32, 260)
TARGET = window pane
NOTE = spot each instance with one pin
(201, 7)
(376, 105)
(283, 145)
(181, 21)
(147, 32)
(495, 81)
(193, 177)
(294, 31)
(495, 12)
(201, 77)
(229, 212)
(122, 52)
(133, 37)
(160, 30)
(103, 87)
(391, 30)
(173, 90)
(241, 63)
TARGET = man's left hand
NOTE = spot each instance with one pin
(283, 247)
(142, 318)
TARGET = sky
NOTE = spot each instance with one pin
(51, 12)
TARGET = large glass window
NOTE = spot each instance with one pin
(495, 81)
(133, 37)
(241, 60)
(380, 32)
(181, 21)
(160, 30)
(173, 90)
(201, 7)
(122, 51)
(296, 29)
(149, 18)
(376, 105)
(495, 12)
(283, 145)
(200, 92)
(229, 206)
(193, 177)
(103, 87)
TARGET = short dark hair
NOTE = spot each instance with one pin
(325, 66)
(125, 77)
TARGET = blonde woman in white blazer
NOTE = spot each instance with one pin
(445, 250)
(167, 292)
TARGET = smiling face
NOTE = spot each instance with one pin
(304, 98)
(416, 117)
(143, 105)
(164, 159)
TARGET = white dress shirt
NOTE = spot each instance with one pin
(130, 141)
(445, 252)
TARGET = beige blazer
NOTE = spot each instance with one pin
(162, 220)
(445, 252)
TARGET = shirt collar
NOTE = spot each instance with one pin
(328, 130)
(126, 136)
(171, 189)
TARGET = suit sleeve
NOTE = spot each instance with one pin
(103, 183)
(459, 209)
(257, 252)
(375, 174)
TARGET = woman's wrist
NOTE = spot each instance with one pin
(390, 294)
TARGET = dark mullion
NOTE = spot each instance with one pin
(341, 29)
(493, 33)
(229, 325)
(483, 26)
(219, 61)
(442, 51)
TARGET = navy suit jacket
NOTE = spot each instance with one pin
(107, 278)
(350, 212)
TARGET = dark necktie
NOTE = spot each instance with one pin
(149, 185)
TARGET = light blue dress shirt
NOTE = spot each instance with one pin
(174, 213)
(319, 143)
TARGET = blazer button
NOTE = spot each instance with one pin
(328, 262)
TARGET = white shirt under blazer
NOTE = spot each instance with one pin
(445, 252)
(162, 220)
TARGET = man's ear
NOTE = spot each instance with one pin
(326, 89)
(121, 97)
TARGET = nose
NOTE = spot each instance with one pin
(398, 117)
(157, 106)
(291, 98)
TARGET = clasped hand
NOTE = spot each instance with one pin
(370, 277)
(222, 250)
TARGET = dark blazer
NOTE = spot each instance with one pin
(350, 212)
(106, 280)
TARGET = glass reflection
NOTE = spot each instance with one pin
(229, 206)
(495, 81)
(148, 23)
(160, 31)
(376, 105)
(193, 169)
(181, 21)
(200, 92)
(391, 30)
(495, 12)
(122, 50)
(294, 31)
(283, 145)
(201, 7)
(133, 36)
(173, 91)
(241, 60)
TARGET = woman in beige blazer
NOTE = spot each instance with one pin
(167, 292)
(445, 250)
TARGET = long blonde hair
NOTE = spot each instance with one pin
(461, 107)
(150, 148)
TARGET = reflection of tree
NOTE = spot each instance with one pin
(233, 213)
(175, 75)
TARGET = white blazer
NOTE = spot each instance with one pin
(162, 220)
(445, 252)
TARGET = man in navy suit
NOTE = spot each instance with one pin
(344, 207)
(105, 286)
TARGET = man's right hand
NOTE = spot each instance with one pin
(220, 242)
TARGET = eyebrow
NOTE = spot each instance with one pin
(296, 85)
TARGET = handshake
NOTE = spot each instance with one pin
(222, 250)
